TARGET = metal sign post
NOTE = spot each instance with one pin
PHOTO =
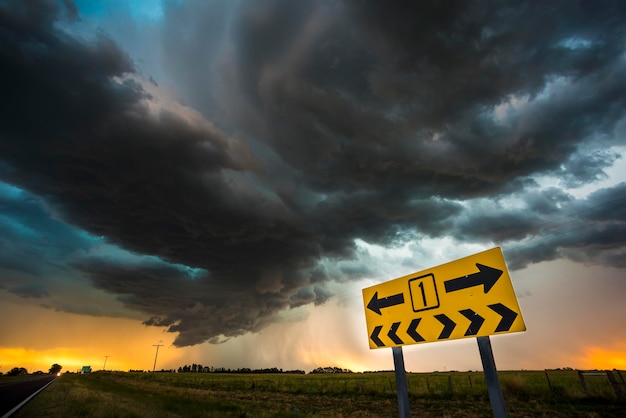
(401, 385)
(491, 377)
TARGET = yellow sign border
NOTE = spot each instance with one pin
(465, 298)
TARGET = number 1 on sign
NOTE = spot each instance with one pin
(424, 294)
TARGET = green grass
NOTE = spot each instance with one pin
(456, 394)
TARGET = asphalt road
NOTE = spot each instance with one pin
(14, 392)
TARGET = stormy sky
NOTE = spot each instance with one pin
(204, 166)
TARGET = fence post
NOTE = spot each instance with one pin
(548, 379)
(582, 381)
(619, 391)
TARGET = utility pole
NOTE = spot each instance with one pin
(155, 356)
(105, 362)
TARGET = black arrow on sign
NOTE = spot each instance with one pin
(392, 333)
(487, 276)
(412, 330)
(374, 336)
(377, 304)
(476, 321)
(508, 316)
(448, 326)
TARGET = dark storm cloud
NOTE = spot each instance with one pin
(191, 303)
(77, 130)
(311, 125)
(589, 231)
(415, 112)
(580, 169)
(33, 246)
(31, 290)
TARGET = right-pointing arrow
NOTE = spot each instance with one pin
(374, 336)
(412, 330)
(476, 321)
(486, 276)
(448, 326)
(508, 316)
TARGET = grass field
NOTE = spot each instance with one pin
(453, 394)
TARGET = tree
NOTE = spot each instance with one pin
(17, 370)
(56, 368)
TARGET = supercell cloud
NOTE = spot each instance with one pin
(214, 189)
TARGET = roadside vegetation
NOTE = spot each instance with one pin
(556, 393)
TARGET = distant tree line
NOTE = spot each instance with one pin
(199, 368)
(16, 371)
(330, 370)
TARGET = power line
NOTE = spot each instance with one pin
(576, 216)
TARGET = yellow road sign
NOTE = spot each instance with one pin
(468, 297)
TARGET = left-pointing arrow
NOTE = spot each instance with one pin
(376, 304)
(412, 330)
(392, 333)
(374, 336)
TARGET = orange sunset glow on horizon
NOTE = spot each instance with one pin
(306, 339)
(605, 359)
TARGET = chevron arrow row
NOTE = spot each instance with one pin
(412, 330)
(376, 304)
(392, 333)
(476, 321)
(448, 326)
(508, 316)
(486, 276)
(374, 336)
